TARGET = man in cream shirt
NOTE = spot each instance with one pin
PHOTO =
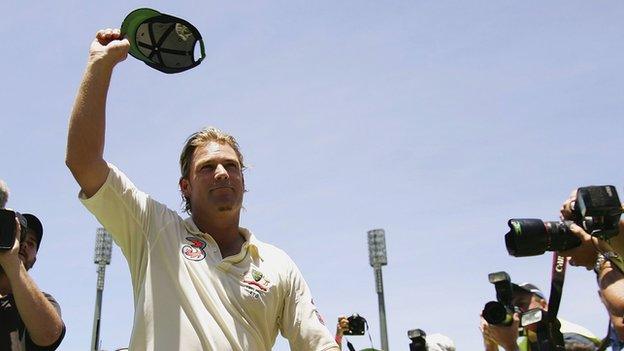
(201, 283)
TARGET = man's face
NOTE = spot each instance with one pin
(527, 301)
(28, 250)
(215, 182)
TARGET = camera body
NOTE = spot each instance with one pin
(500, 312)
(597, 209)
(7, 228)
(419, 339)
(357, 325)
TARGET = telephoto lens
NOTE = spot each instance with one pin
(497, 313)
(532, 237)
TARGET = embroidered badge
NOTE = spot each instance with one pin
(195, 250)
(256, 282)
(257, 275)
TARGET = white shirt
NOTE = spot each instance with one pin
(187, 297)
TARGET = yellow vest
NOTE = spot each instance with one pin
(566, 327)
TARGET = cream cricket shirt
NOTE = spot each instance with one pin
(187, 297)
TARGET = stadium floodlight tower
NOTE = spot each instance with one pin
(377, 258)
(103, 247)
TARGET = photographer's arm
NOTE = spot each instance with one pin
(611, 284)
(41, 319)
(85, 140)
(614, 311)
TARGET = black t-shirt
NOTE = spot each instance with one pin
(13, 334)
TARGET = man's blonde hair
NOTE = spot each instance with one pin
(201, 138)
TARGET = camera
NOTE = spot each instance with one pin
(356, 325)
(547, 328)
(419, 339)
(7, 228)
(597, 209)
(500, 312)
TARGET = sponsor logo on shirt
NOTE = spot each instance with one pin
(195, 250)
(256, 283)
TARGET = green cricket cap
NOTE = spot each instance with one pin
(162, 41)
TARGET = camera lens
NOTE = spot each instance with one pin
(561, 238)
(496, 313)
(531, 237)
(527, 237)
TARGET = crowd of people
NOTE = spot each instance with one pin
(602, 256)
(220, 286)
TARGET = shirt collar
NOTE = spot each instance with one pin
(251, 243)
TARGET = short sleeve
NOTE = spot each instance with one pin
(31, 346)
(129, 215)
(120, 207)
(300, 322)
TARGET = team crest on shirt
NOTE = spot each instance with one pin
(256, 283)
(195, 250)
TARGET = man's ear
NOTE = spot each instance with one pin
(185, 187)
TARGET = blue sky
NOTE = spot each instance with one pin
(436, 120)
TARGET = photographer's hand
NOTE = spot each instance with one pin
(505, 336)
(9, 259)
(585, 254)
(341, 327)
(567, 209)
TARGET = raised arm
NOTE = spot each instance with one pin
(85, 139)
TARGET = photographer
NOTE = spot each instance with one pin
(527, 296)
(30, 320)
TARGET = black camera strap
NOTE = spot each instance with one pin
(549, 337)
(549, 333)
(350, 346)
(556, 284)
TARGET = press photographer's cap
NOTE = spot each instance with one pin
(528, 287)
(162, 41)
(35, 225)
